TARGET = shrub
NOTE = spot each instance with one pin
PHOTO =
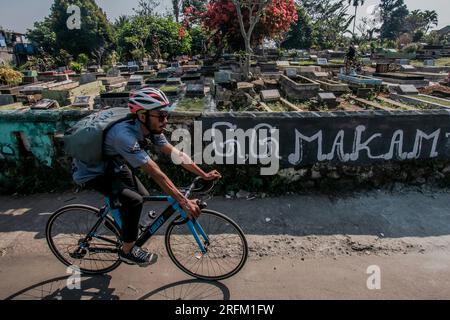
(10, 76)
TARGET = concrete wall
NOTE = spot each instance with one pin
(318, 150)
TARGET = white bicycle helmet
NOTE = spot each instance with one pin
(148, 99)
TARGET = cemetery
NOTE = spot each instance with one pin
(224, 78)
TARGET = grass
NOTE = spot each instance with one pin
(169, 89)
(434, 100)
(191, 104)
(277, 106)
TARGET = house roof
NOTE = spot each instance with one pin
(444, 30)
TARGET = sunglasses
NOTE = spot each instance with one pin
(161, 116)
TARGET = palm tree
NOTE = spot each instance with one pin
(356, 4)
(431, 17)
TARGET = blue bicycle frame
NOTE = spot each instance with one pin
(195, 228)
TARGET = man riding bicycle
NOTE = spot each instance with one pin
(123, 146)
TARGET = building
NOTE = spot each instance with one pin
(14, 48)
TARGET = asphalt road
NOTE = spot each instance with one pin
(301, 247)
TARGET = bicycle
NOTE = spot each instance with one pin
(212, 247)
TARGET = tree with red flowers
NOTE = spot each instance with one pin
(245, 23)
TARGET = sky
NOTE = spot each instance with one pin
(19, 15)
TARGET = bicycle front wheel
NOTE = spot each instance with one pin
(67, 236)
(227, 248)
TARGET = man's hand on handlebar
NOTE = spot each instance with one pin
(192, 208)
(213, 175)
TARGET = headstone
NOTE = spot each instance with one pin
(45, 104)
(408, 90)
(222, 76)
(407, 67)
(87, 78)
(328, 98)
(402, 62)
(363, 92)
(268, 67)
(270, 95)
(291, 72)
(245, 86)
(322, 61)
(313, 57)
(81, 101)
(283, 63)
(429, 63)
(113, 72)
(195, 90)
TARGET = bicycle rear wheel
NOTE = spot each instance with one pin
(66, 233)
(227, 250)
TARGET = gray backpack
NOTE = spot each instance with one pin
(84, 141)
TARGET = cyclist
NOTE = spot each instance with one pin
(123, 146)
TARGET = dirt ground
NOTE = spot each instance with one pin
(301, 247)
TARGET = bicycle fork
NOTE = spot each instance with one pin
(195, 228)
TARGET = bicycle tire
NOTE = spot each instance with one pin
(108, 223)
(226, 220)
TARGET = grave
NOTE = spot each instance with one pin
(191, 76)
(222, 77)
(45, 104)
(291, 72)
(195, 90)
(174, 81)
(364, 93)
(328, 98)
(66, 93)
(299, 88)
(258, 85)
(245, 86)
(82, 101)
(407, 68)
(338, 88)
(271, 84)
(402, 62)
(87, 78)
(268, 67)
(429, 63)
(322, 61)
(6, 99)
(170, 90)
(408, 90)
(270, 95)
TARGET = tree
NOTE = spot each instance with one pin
(356, 4)
(176, 5)
(330, 22)
(146, 8)
(431, 19)
(300, 35)
(152, 35)
(43, 36)
(254, 10)
(54, 37)
(393, 15)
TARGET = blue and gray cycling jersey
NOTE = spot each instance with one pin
(121, 140)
